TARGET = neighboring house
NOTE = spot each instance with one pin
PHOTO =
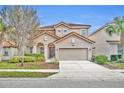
(106, 44)
(9, 50)
(63, 41)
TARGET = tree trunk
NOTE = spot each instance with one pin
(1, 49)
(22, 56)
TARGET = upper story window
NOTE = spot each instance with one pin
(83, 32)
(120, 50)
(65, 31)
(59, 30)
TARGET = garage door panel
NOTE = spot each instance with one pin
(72, 54)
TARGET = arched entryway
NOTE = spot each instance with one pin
(51, 47)
(40, 48)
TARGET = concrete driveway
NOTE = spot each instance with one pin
(85, 70)
(80, 66)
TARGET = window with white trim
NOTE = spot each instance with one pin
(83, 32)
(65, 30)
(59, 31)
(6, 52)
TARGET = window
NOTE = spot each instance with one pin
(41, 50)
(120, 50)
(59, 30)
(6, 53)
(83, 32)
(65, 31)
(31, 49)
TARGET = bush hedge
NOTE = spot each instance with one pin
(14, 59)
(101, 59)
(54, 61)
(115, 57)
(17, 59)
(38, 56)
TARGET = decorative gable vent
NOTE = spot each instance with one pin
(45, 38)
(73, 41)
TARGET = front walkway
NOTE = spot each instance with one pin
(85, 70)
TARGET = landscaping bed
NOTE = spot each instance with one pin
(29, 65)
(24, 74)
(116, 61)
(114, 65)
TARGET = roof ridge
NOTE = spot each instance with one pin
(45, 32)
(69, 24)
(71, 33)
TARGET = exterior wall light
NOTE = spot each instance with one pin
(89, 49)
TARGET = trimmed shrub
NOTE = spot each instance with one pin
(115, 57)
(101, 59)
(14, 59)
(17, 59)
(54, 61)
(38, 56)
(29, 59)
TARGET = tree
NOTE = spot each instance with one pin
(2, 35)
(23, 21)
(117, 26)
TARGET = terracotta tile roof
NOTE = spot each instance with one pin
(7, 43)
(72, 24)
(69, 24)
(99, 29)
(73, 33)
(45, 32)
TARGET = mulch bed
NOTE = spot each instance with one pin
(110, 66)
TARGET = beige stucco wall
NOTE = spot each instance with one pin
(101, 46)
(63, 27)
(79, 44)
(11, 52)
(40, 39)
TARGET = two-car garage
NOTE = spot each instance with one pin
(73, 54)
(73, 47)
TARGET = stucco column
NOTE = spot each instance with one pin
(12, 51)
(34, 49)
(45, 52)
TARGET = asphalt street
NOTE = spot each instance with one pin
(58, 83)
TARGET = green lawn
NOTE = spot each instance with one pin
(28, 65)
(25, 74)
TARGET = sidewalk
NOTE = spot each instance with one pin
(29, 70)
(118, 70)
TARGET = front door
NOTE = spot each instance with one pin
(51, 52)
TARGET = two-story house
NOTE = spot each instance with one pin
(106, 44)
(64, 41)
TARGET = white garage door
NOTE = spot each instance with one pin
(73, 54)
